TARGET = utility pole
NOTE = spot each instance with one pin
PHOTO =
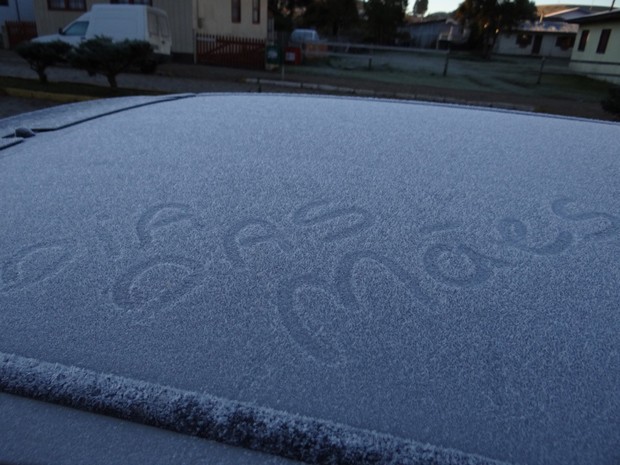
(19, 18)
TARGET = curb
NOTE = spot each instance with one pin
(397, 95)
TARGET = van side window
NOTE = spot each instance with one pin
(163, 26)
(153, 29)
(76, 29)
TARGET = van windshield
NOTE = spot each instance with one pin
(76, 29)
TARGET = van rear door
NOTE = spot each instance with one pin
(159, 32)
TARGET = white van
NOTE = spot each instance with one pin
(119, 22)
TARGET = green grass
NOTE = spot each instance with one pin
(467, 72)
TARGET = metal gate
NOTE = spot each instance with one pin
(234, 52)
(20, 31)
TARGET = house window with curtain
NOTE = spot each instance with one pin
(583, 40)
(236, 11)
(603, 41)
(565, 42)
(133, 2)
(523, 40)
(256, 11)
(68, 5)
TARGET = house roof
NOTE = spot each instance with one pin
(560, 27)
(548, 10)
(606, 16)
(570, 13)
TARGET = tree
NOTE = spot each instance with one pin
(420, 7)
(102, 55)
(284, 12)
(384, 17)
(331, 16)
(487, 17)
(41, 55)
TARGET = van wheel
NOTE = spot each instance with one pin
(148, 68)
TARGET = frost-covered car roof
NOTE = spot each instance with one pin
(328, 280)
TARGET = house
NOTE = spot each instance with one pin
(246, 19)
(16, 21)
(597, 53)
(435, 31)
(551, 36)
(540, 38)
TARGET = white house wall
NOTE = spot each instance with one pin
(10, 12)
(597, 69)
(215, 17)
(507, 45)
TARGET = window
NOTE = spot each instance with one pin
(565, 42)
(70, 5)
(76, 29)
(256, 11)
(4, 2)
(133, 2)
(602, 42)
(583, 40)
(162, 23)
(153, 26)
(236, 11)
(523, 40)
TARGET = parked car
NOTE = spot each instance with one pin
(119, 22)
(302, 36)
(309, 43)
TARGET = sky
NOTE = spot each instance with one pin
(451, 5)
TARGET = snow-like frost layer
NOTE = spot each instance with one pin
(238, 424)
(442, 274)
